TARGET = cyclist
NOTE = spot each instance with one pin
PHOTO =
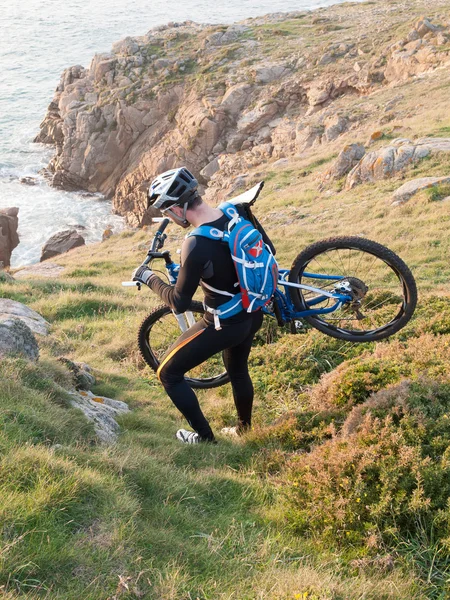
(206, 262)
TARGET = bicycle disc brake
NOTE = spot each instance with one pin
(357, 289)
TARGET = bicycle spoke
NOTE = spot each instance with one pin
(372, 311)
(165, 332)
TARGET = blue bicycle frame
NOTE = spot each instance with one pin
(283, 300)
(286, 306)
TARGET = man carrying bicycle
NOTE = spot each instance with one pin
(206, 262)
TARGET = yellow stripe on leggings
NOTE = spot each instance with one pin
(175, 350)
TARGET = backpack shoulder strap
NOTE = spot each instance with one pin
(229, 210)
(208, 232)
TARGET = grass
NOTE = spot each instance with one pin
(149, 518)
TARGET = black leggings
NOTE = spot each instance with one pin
(196, 345)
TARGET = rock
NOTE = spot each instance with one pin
(28, 180)
(46, 270)
(334, 127)
(424, 26)
(349, 156)
(410, 188)
(10, 309)
(320, 93)
(281, 162)
(102, 412)
(61, 242)
(258, 117)
(269, 73)
(236, 97)
(221, 38)
(390, 160)
(17, 338)
(9, 239)
(82, 374)
(211, 168)
(375, 136)
(126, 47)
(107, 234)
(417, 53)
(390, 105)
(135, 113)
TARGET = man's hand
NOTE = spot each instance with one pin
(142, 274)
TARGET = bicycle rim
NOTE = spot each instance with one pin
(383, 288)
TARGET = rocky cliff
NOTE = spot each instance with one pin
(225, 100)
(9, 238)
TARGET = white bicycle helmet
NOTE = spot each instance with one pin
(177, 187)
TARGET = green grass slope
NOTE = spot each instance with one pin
(340, 491)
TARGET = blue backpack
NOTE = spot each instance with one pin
(256, 267)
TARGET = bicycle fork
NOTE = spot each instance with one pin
(185, 320)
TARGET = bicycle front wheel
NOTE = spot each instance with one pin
(383, 290)
(161, 329)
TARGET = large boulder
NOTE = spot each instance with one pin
(390, 160)
(347, 159)
(17, 338)
(9, 239)
(410, 188)
(10, 309)
(102, 412)
(61, 242)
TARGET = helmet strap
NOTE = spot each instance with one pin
(182, 221)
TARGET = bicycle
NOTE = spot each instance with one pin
(338, 298)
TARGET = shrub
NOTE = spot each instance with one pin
(388, 471)
(355, 380)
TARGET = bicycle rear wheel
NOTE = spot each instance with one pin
(383, 290)
(161, 329)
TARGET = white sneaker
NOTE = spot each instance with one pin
(231, 431)
(188, 437)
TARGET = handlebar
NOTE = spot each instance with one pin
(154, 252)
(165, 255)
(160, 236)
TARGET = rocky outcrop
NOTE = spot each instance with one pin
(102, 412)
(154, 103)
(16, 338)
(10, 309)
(424, 48)
(409, 189)
(220, 100)
(9, 238)
(347, 159)
(390, 160)
(61, 242)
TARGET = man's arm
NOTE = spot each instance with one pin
(179, 297)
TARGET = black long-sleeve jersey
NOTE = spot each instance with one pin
(204, 261)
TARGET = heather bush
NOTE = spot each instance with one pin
(353, 381)
(385, 473)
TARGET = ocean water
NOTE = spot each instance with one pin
(39, 39)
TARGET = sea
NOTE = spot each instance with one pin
(39, 39)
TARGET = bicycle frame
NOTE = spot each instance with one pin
(283, 299)
(286, 306)
(282, 308)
